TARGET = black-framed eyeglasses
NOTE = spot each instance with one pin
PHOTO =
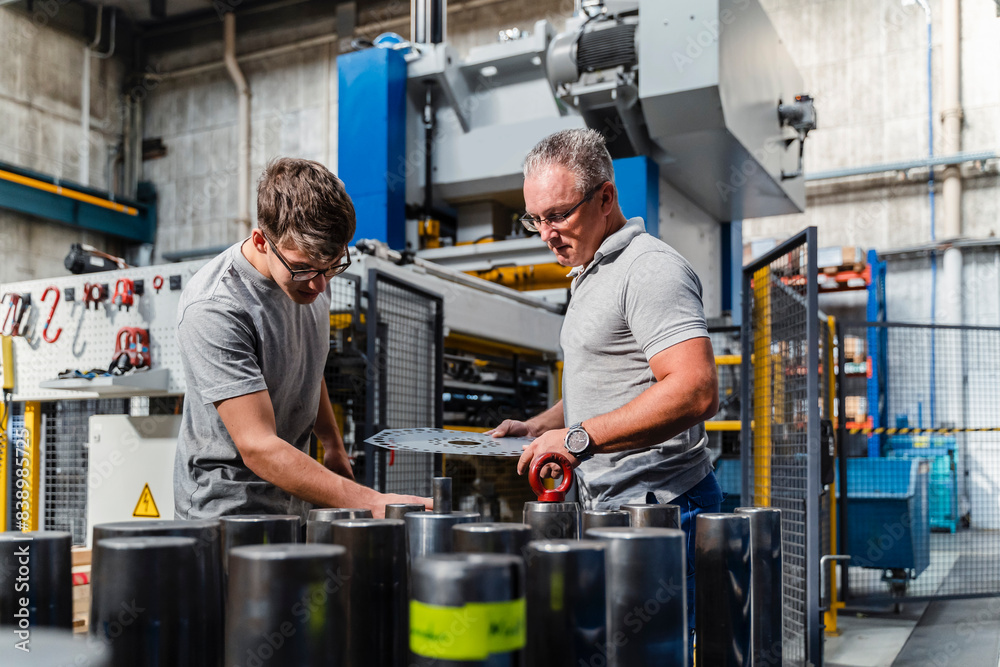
(556, 220)
(305, 275)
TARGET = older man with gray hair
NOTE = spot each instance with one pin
(639, 378)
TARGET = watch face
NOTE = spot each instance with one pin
(577, 441)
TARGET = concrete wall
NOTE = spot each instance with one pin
(865, 63)
(293, 112)
(40, 128)
(196, 117)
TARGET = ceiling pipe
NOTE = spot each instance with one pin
(951, 116)
(904, 166)
(85, 99)
(428, 21)
(111, 36)
(379, 26)
(243, 124)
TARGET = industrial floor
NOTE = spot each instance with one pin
(953, 633)
(966, 561)
(948, 633)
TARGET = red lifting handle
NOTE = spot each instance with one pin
(558, 494)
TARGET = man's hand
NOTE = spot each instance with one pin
(336, 460)
(550, 441)
(378, 511)
(511, 428)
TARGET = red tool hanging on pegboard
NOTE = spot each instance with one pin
(131, 350)
(94, 293)
(52, 312)
(15, 316)
(124, 295)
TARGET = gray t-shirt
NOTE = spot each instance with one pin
(238, 334)
(636, 298)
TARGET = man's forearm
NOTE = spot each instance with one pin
(662, 411)
(548, 420)
(302, 476)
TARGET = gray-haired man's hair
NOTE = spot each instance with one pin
(582, 152)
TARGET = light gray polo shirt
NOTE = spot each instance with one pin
(239, 333)
(636, 298)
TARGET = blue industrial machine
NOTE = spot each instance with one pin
(697, 99)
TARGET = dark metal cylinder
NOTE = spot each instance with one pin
(653, 516)
(468, 610)
(144, 603)
(566, 594)
(647, 583)
(36, 568)
(722, 585)
(207, 552)
(286, 605)
(442, 495)
(399, 510)
(338, 514)
(318, 523)
(49, 647)
(604, 519)
(375, 590)
(429, 533)
(765, 584)
(249, 529)
(552, 521)
(491, 538)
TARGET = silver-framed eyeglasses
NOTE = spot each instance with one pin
(556, 220)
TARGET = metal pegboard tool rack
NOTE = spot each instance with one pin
(88, 334)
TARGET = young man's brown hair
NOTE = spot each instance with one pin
(302, 204)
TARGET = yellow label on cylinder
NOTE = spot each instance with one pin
(470, 632)
(508, 627)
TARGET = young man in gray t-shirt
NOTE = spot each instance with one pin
(639, 377)
(253, 327)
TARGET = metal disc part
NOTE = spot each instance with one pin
(443, 441)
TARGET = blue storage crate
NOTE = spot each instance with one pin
(888, 524)
(943, 483)
(727, 471)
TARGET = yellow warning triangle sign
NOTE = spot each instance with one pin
(146, 507)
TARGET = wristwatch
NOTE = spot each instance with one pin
(577, 442)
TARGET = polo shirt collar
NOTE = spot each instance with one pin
(617, 241)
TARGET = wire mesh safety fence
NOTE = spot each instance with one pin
(726, 346)
(404, 390)
(781, 425)
(723, 429)
(922, 445)
(484, 384)
(345, 367)
(65, 461)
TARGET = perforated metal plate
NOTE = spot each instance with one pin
(443, 441)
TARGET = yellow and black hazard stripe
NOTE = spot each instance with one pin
(918, 431)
